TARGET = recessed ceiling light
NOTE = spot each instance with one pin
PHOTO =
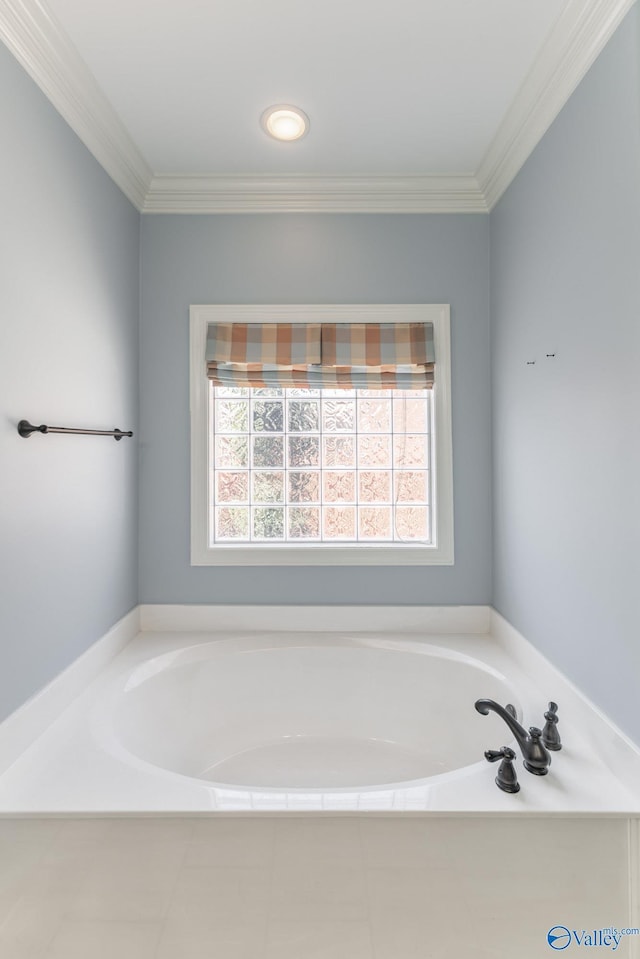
(284, 122)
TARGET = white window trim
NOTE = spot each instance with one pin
(439, 554)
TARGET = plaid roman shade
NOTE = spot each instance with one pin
(332, 356)
(262, 354)
(378, 356)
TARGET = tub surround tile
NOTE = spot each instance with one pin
(19, 863)
(114, 898)
(416, 939)
(62, 881)
(300, 842)
(7, 905)
(509, 881)
(231, 842)
(318, 891)
(394, 842)
(25, 952)
(409, 893)
(225, 893)
(33, 923)
(319, 939)
(74, 852)
(104, 940)
(448, 887)
(121, 856)
(30, 830)
(128, 884)
(581, 867)
(82, 830)
(150, 830)
(212, 937)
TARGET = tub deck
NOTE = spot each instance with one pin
(75, 768)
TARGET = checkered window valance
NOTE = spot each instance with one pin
(349, 356)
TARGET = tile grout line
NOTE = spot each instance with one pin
(272, 875)
(365, 881)
(165, 918)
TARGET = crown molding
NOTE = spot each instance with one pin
(49, 57)
(44, 50)
(579, 35)
(314, 194)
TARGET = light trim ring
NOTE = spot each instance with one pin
(285, 122)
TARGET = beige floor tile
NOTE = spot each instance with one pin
(292, 939)
(331, 841)
(105, 940)
(231, 842)
(318, 891)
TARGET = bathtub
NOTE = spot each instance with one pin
(303, 713)
(209, 722)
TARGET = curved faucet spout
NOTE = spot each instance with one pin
(485, 706)
(535, 756)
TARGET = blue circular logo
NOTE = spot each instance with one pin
(559, 937)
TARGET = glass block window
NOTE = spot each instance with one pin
(320, 467)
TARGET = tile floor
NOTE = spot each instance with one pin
(306, 888)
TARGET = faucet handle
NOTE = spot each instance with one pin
(550, 734)
(506, 779)
(493, 755)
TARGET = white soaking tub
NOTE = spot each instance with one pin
(341, 721)
(312, 714)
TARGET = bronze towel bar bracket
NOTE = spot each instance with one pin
(25, 429)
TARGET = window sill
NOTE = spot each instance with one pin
(322, 556)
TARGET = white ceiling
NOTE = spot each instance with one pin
(390, 86)
(431, 101)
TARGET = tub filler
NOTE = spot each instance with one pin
(305, 721)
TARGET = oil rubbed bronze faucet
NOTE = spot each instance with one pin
(535, 756)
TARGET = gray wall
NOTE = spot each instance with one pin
(308, 259)
(69, 294)
(565, 279)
